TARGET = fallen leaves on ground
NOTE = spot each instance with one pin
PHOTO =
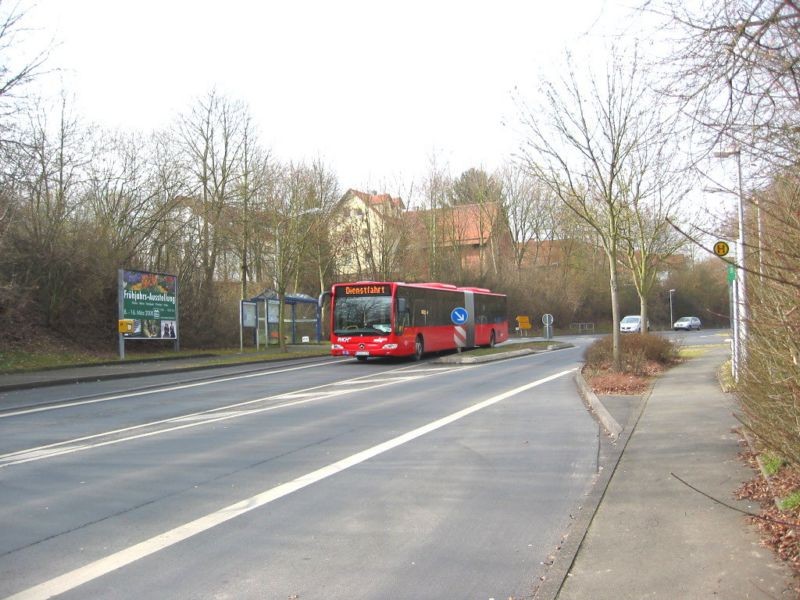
(605, 381)
(779, 529)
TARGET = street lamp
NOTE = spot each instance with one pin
(671, 318)
(740, 329)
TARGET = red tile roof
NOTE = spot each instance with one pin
(462, 225)
(376, 199)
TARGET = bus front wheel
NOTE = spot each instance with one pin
(419, 348)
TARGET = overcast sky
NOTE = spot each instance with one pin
(372, 87)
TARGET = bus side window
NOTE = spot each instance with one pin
(421, 313)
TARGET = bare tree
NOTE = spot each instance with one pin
(437, 187)
(15, 74)
(169, 249)
(739, 75)
(251, 181)
(212, 139)
(123, 200)
(531, 218)
(654, 191)
(50, 159)
(582, 144)
(292, 216)
(325, 192)
(483, 191)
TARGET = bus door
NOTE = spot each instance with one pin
(402, 316)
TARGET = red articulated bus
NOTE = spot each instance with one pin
(371, 318)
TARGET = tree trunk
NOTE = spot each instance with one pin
(643, 314)
(615, 351)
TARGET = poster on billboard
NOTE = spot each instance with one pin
(249, 314)
(150, 300)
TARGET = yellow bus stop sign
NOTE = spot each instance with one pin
(721, 248)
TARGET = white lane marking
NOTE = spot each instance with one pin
(31, 455)
(206, 417)
(231, 414)
(72, 579)
(27, 411)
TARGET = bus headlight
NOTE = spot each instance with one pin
(337, 347)
(390, 346)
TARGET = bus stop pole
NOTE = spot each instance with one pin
(121, 310)
(294, 323)
(266, 324)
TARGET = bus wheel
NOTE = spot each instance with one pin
(419, 348)
(492, 340)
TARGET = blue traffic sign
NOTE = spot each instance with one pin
(459, 315)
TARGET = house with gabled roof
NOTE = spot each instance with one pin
(468, 240)
(368, 234)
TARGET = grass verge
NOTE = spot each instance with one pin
(20, 362)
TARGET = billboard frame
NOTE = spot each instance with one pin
(122, 316)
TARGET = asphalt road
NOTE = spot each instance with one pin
(317, 479)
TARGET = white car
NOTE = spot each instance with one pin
(632, 324)
(687, 324)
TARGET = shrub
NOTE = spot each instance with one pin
(636, 351)
(769, 383)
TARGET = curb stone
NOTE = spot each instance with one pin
(600, 412)
(461, 358)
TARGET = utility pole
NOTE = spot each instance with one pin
(671, 318)
(740, 334)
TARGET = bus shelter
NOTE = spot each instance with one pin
(302, 322)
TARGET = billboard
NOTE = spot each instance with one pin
(150, 300)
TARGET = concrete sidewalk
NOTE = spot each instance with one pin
(654, 537)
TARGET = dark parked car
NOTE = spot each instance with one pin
(687, 324)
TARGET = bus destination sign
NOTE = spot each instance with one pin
(370, 289)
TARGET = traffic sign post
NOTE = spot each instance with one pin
(721, 249)
(459, 315)
(523, 324)
(547, 321)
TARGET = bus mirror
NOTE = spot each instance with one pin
(322, 297)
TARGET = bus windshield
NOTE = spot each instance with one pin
(362, 315)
